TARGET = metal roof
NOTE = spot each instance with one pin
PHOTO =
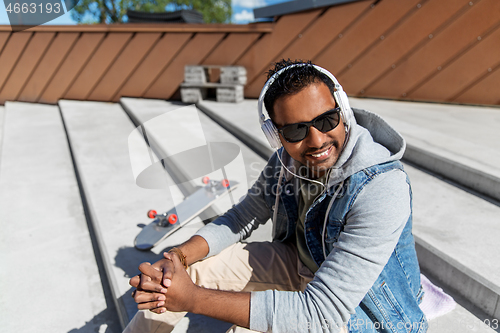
(295, 6)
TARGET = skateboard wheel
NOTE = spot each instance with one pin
(152, 213)
(225, 183)
(172, 218)
(206, 180)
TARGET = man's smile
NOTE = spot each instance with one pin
(322, 153)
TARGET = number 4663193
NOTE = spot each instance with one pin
(33, 8)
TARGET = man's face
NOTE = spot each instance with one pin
(318, 151)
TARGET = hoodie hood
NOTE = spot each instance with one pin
(371, 141)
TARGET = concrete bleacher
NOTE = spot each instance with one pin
(50, 277)
(454, 141)
(103, 207)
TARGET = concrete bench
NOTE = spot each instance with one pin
(49, 268)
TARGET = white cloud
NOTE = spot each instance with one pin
(243, 16)
(249, 3)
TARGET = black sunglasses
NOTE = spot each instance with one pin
(325, 122)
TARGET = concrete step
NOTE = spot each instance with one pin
(49, 271)
(461, 320)
(98, 135)
(456, 237)
(458, 142)
(459, 256)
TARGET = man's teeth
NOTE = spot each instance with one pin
(322, 154)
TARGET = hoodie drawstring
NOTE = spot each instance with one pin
(330, 204)
(276, 203)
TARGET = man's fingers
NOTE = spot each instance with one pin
(158, 310)
(144, 279)
(153, 287)
(148, 285)
(168, 269)
(149, 280)
(150, 271)
(150, 305)
(148, 297)
(134, 282)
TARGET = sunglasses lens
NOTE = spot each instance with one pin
(327, 122)
(295, 132)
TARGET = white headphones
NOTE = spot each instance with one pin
(271, 132)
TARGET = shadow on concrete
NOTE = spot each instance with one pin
(104, 322)
(129, 258)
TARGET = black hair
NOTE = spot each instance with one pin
(292, 81)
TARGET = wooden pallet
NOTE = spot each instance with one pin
(228, 82)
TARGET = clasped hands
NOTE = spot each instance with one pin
(164, 285)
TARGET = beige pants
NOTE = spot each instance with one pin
(240, 267)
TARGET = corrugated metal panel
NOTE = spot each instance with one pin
(231, 49)
(439, 51)
(398, 44)
(97, 66)
(105, 62)
(4, 36)
(368, 30)
(48, 66)
(324, 31)
(71, 67)
(485, 91)
(193, 53)
(465, 71)
(124, 65)
(26, 65)
(154, 64)
(11, 54)
(265, 51)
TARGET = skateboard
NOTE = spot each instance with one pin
(167, 223)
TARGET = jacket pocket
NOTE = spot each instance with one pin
(392, 311)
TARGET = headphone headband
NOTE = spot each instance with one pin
(339, 95)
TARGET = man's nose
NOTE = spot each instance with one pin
(315, 138)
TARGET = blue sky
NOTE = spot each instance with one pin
(242, 11)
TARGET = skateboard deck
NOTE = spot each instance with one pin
(167, 223)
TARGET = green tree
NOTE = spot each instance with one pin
(114, 11)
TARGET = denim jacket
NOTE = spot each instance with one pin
(370, 278)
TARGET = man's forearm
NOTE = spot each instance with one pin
(196, 248)
(232, 307)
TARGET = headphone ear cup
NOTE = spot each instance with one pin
(343, 101)
(271, 133)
